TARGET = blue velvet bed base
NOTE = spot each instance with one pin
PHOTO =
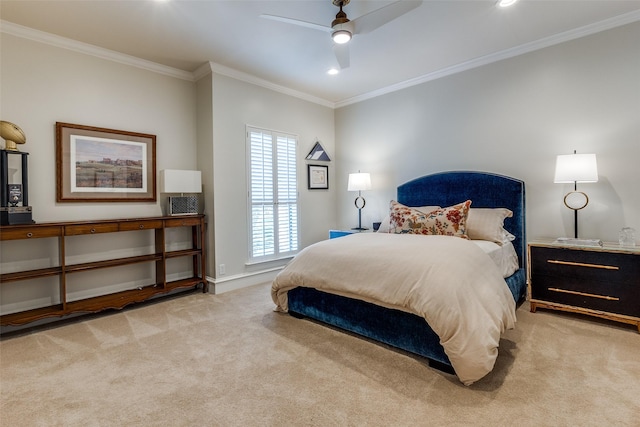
(404, 330)
(393, 327)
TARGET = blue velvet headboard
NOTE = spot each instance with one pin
(485, 190)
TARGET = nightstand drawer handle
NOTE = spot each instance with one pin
(584, 294)
(581, 264)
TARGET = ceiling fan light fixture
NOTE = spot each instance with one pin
(506, 3)
(341, 36)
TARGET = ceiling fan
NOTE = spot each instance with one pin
(342, 29)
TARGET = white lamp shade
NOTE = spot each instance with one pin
(180, 181)
(576, 168)
(359, 182)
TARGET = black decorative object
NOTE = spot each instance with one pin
(14, 199)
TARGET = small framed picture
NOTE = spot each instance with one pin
(318, 176)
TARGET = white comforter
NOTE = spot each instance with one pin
(449, 281)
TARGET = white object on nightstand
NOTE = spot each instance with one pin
(627, 237)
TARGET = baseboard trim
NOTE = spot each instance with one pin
(239, 281)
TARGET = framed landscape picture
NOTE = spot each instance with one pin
(104, 165)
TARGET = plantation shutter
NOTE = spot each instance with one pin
(273, 194)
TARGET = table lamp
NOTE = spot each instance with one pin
(181, 181)
(359, 182)
(575, 168)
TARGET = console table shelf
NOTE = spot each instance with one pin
(115, 300)
(22, 275)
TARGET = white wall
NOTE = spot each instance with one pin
(512, 117)
(237, 104)
(42, 85)
(204, 91)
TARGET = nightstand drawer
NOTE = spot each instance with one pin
(584, 265)
(610, 297)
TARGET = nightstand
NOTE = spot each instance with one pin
(333, 234)
(600, 281)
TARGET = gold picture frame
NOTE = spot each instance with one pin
(104, 165)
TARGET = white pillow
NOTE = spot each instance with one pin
(385, 225)
(488, 224)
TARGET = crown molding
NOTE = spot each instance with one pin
(209, 67)
(250, 78)
(576, 33)
(203, 70)
(89, 49)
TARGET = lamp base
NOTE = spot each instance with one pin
(182, 205)
(359, 228)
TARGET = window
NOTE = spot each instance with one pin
(273, 194)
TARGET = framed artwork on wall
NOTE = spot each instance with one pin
(104, 165)
(318, 177)
(318, 153)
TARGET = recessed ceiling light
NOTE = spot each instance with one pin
(506, 3)
(333, 71)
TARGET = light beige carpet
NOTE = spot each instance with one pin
(229, 360)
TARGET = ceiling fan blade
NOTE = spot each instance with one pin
(342, 54)
(297, 22)
(376, 19)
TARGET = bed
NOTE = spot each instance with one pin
(397, 322)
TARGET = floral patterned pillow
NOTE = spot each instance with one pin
(449, 221)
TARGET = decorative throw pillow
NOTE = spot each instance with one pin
(488, 224)
(385, 225)
(449, 221)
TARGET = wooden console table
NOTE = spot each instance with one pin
(62, 231)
